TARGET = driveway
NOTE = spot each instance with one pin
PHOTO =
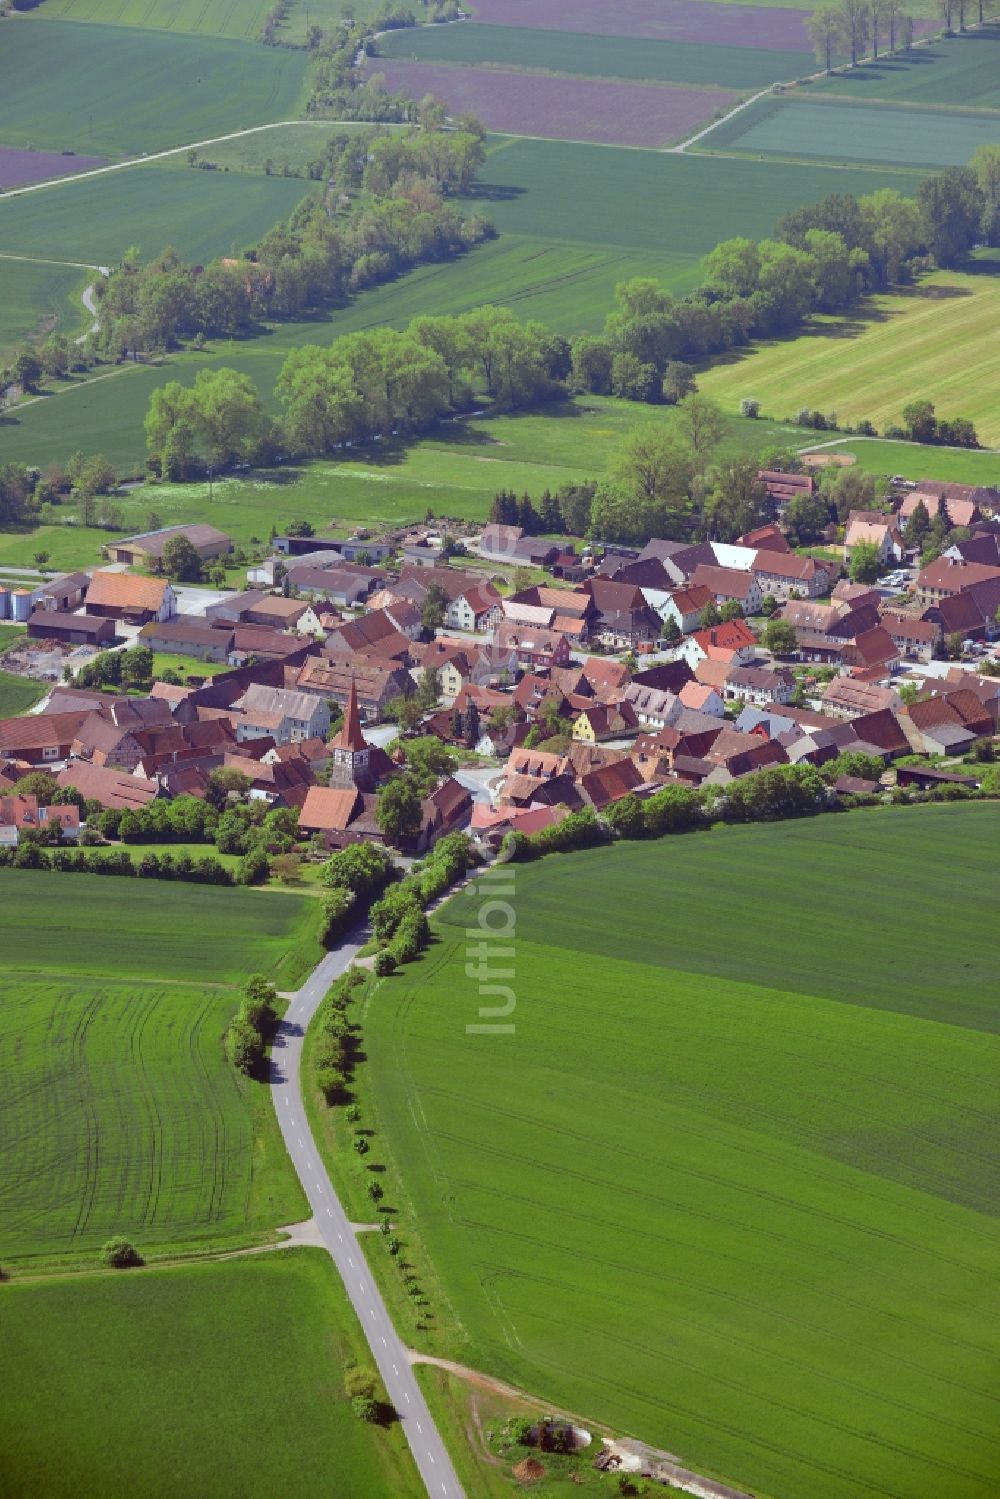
(387, 1348)
(479, 780)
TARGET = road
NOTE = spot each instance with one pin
(433, 1462)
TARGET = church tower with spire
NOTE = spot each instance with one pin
(351, 754)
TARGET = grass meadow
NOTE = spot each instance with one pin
(455, 472)
(961, 70)
(18, 694)
(891, 135)
(728, 1186)
(913, 461)
(937, 339)
(636, 59)
(223, 1379)
(111, 93)
(121, 1112)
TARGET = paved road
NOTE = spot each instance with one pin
(425, 1442)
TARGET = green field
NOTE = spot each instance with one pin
(555, 259)
(728, 1185)
(631, 58)
(223, 1379)
(848, 132)
(935, 340)
(121, 1112)
(113, 93)
(949, 465)
(456, 472)
(18, 694)
(37, 298)
(201, 214)
(234, 18)
(185, 934)
(294, 146)
(958, 70)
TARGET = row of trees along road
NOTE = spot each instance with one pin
(851, 25)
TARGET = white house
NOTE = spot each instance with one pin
(281, 714)
(782, 574)
(477, 609)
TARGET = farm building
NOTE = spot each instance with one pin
(71, 629)
(127, 596)
(187, 637)
(146, 549)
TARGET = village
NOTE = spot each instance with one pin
(552, 680)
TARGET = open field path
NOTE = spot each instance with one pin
(338, 1236)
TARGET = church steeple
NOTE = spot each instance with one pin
(350, 748)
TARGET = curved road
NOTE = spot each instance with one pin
(428, 1450)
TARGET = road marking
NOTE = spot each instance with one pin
(372, 1314)
(384, 1344)
(302, 1142)
(330, 1212)
(420, 1428)
(431, 1456)
(407, 1394)
(350, 1262)
(341, 1238)
(395, 1370)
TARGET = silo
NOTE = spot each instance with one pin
(4, 601)
(21, 605)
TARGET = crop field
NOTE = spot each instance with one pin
(889, 134)
(111, 92)
(949, 465)
(751, 25)
(223, 1379)
(36, 297)
(938, 338)
(233, 18)
(121, 1114)
(185, 934)
(960, 70)
(581, 109)
(631, 58)
(727, 1184)
(202, 214)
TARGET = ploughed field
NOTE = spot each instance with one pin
(223, 1379)
(120, 1113)
(658, 20)
(581, 109)
(730, 1184)
(19, 167)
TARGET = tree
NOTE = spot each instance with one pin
(120, 1254)
(952, 207)
(985, 163)
(224, 782)
(709, 616)
(731, 609)
(434, 608)
(701, 424)
(671, 630)
(406, 710)
(826, 33)
(678, 382)
(865, 565)
(921, 423)
(398, 811)
(181, 562)
(137, 666)
(26, 369)
(806, 518)
(779, 637)
(877, 15)
(917, 526)
(739, 501)
(429, 688)
(855, 19)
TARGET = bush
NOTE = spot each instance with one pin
(749, 407)
(120, 1254)
(385, 963)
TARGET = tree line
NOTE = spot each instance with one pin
(315, 259)
(852, 25)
